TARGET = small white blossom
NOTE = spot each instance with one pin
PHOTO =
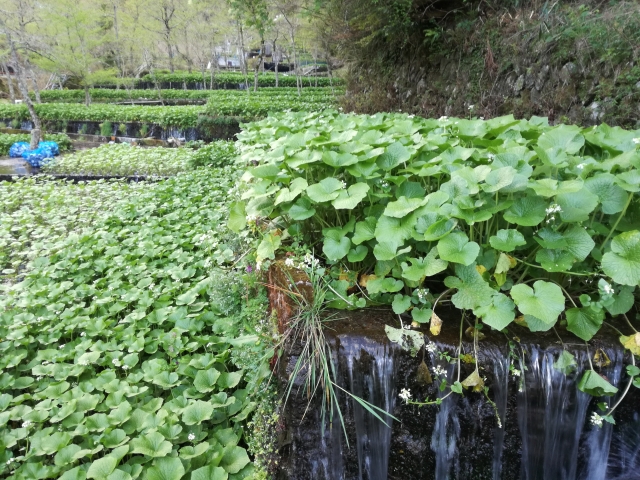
(258, 265)
(553, 209)
(191, 437)
(83, 334)
(344, 184)
(439, 371)
(26, 424)
(608, 289)
(116, 362)
(515, 372)
(61, 346)
(636, 141)
(405, 394)
(125, 367)
(431, 347)
(443, 118)
(580, 166)
(289, 262)
(471, 107)
(596, 420)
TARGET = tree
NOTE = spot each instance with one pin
(36, 132)
(254, 14)
(74, 42)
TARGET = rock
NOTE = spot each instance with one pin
(542, 77)
(519, 85)
(569, 72)
(596, 111)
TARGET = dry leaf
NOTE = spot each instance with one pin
(435, 324)
(474, 380)
(423, 377)
(470, 332)
(601, 359)
(364, 279)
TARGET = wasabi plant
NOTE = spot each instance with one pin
(511, 220)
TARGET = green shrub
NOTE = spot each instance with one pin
(217, 154)
(106, 129)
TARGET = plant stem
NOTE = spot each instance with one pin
(615, 225)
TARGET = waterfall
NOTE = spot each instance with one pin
(551, 414)
(544, 433)
(370, 373)
(446, 432)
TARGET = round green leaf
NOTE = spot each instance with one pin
(584, 322)
(167, 468)
(205, 380)
(197, 412)
(622, 263)
(507, 240)
(152, 445)
(544, 301)
(457, 248)
(102, 468)
(526, 211)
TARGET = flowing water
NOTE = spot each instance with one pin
(543, 432)
(371, 376)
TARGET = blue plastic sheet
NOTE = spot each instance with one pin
(17, 149)
(51, 146)
(36, 158)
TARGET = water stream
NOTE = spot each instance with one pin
(543, 432)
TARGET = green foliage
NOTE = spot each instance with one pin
(220, 103)
(108, 95)
(123, 159)
(266, 79)
(217, 154)
(117, 361)
(106, 128)
(8, 139)
(520, 216)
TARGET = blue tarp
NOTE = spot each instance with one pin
(17, 149)
(37, 157)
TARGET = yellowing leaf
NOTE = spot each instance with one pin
(436, 324)
(632, 343)
(474, 380)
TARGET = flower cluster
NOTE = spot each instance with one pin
(596, 420)
(439, 371)
(405, 394)
(431, 347)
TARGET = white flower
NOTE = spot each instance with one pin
(431, 347)
(405, 394)
(116, 362)
(61, 346)
(515, 372)
(83, 334)
(580, 167)
(636, 141)
(443, 118)
(471, 107)
(191, 437)
(26, 424)
(125, 367)
(608, 289)
(439, 371)
(596, 420)
(482, 118)
(344, 184)
(258, 265)
(289, 262)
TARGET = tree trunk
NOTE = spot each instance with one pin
(12, 93)
(170, 50)
(36, 90)
(275, 60)
(243, 59)
(22, 85)
(87, 95)
(260, 60)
